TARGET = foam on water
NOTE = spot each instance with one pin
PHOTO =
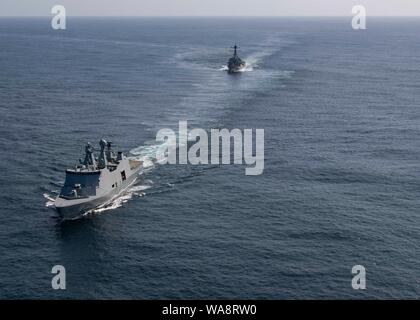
(153, 152)
(50, 200)
(136, 190)
(148, 154)
(249, 66)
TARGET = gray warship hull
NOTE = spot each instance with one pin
(72, 210)
(96, 182)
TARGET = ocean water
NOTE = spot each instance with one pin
(341, 185)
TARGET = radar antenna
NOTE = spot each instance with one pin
(235, 47)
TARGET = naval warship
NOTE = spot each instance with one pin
(235, 63)
(95, 181)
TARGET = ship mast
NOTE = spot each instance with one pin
(89, 156)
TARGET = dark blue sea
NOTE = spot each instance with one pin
(341, 185)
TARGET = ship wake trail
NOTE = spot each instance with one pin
(152, 153)
(136, 190)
